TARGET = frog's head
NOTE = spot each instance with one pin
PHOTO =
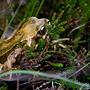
(39, 23)
(32, 28)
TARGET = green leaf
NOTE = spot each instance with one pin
(29, 52)
(41, 44)
(57, 65)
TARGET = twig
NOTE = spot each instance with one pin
(17, 82)
(79, 70)
(76, 29)
(59, 40)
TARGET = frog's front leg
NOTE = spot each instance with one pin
(29, 42)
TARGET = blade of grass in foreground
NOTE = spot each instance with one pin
(51, 77)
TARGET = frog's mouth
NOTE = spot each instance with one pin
(42, 29)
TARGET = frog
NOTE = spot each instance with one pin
(25, 32)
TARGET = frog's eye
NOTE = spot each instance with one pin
(33, 21)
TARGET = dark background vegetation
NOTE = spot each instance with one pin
(69, 19)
